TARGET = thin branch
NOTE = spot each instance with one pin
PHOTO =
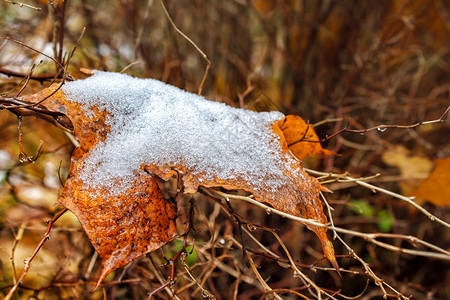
(157, 273)
(208, 63)
(36, 250)
(205, 293)
(156, 291)
(41, 78)
(73, 50)
(444, 255)
(264, 284)
(35, 50)
(130, 65)
(408, 200)
(26, 81)
(23, 4)
(378, 281)
(380, 128)
(298, 273)
(17, 238)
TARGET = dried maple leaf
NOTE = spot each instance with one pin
(129, 128)
(122, 226)
(294, 130)
(413, 168)
(436, 188)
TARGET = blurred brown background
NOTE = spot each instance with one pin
(349, 62)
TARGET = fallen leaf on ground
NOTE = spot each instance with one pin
(413, 168)
(436, 188)
(132, 129)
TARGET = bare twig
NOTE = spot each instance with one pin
(65, 76)
(208, 63)
(156, 291)
(73, 50)
(130, 65)
(205, 293)
(247, 91)
(408, 200)
(265, 286)
(36, 250)
(27, 79)
(40, 52)
(157, 273)
(298, 273)
(23, 5)
(378, 281)
(40, 78)
(380, 128)
(444, 255)
(17, 238)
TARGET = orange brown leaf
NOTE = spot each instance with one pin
(120, 227)
(298, 136)
(436, 188)
(132, 129)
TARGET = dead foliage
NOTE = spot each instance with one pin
(376, 73)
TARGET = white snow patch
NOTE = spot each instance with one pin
(153, 122)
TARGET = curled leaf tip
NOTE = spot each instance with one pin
(328, 250)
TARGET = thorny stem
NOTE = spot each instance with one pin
(36, 250)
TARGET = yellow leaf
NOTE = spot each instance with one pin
(413, 168)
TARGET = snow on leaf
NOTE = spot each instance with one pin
(129, 128)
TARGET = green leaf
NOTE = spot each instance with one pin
(362, 208)
(385, 221)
